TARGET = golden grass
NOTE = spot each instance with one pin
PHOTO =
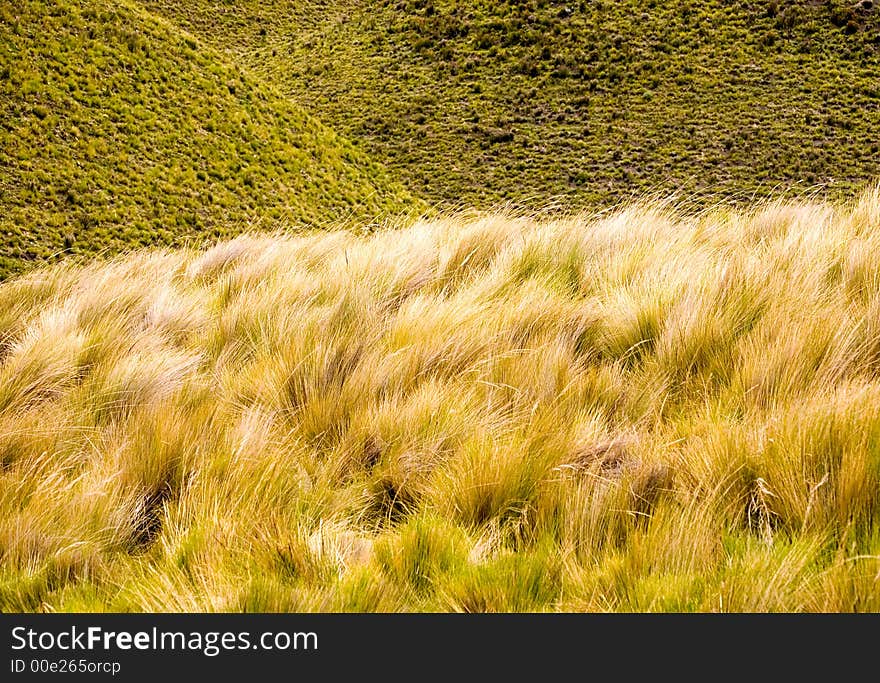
(635, 411)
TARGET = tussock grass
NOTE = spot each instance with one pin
(644, 410)
(575, 103)
(121, 131)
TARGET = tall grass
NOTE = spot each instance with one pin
(644, 410)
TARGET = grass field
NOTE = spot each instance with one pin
(119, 130)
(639, 410)
(474, 103)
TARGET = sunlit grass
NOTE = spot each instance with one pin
(639, 411)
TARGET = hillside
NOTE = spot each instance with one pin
(644, 411)
(117, 130)
(477, 102)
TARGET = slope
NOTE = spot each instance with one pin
(478, 102)
(118, 130)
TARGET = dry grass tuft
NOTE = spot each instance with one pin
(636, 411)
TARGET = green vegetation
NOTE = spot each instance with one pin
(641, 411)
(651, 409)
(117, 130)
(478, 102)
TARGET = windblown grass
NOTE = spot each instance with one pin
(642, 410)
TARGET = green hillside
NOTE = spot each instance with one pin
(117, 130)
(475, 102)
